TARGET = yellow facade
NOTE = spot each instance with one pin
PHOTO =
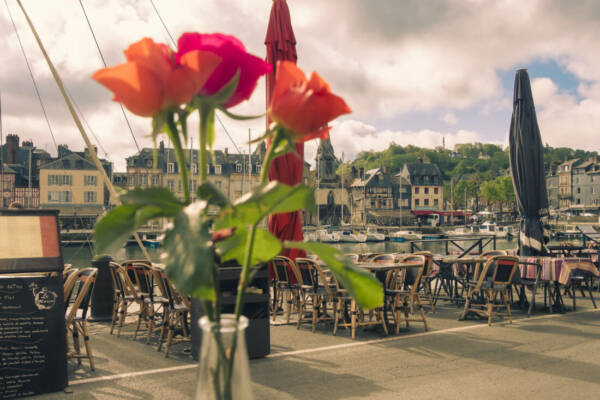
(427, 197)
(65, 187)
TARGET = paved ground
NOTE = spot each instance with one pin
(545, 356)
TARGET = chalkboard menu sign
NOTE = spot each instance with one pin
(32, 336)
(32, 313)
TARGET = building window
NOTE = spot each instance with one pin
(179, 186)
(578, 190)
(59, 196)
(149, 163)
(436, 202)
(155, 180)
(416, 190)
(170, 168)
(257, 167)
(132, 180)
(89, 180)
(60, 180)
(90, 197)
(144, 179)
(238, 167)
(218, 169)
(171, 185)
(218, 184)
(416, 202)
(435, 190)
(193, 184)
(426, 202)
(426, 190)
(195, 168)
(372, 203)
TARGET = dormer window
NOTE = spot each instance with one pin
(194, 168)
(171, 168)
(149, 163)
(218, 169)
(238, 167)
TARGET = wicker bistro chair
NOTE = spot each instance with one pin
(427, 277)
(176, 325)
(285, 291)
(124, 296)
(76, 314)
(401, 289)
(154, 303)
(312, 294)
(493, 280)
(357, 317)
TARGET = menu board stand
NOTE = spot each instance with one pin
(32, 313)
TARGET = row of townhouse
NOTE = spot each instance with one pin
(375, 196)
(575, 186)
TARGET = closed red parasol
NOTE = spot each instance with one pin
(281, 45)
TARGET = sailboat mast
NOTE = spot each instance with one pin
(342, 196)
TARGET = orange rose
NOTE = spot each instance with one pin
(150, 80)
(304, 106)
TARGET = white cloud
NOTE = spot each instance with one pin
(386, 59)
(351, 137)
(450, 118)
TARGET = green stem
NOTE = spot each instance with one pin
(207, 115)
(183, 171)
(264, 173)
(238, 307)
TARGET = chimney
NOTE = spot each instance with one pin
(161, 147)
(63, 150)
(226, 151)
(86, 152)
(12, 149)
(362, 173)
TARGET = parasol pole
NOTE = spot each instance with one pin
(86, 139)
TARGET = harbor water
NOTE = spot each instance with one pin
(81, 256)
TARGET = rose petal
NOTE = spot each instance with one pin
(136, 87)
(181, 86)
(150, 55)
(201, 63)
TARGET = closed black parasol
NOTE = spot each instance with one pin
(527, 167)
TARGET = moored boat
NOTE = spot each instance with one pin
(402, 236)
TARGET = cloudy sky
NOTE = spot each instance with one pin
(413, 71)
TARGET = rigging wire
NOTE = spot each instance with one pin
(104, 63)
(31, 75)
(85, 121)
(175, 45)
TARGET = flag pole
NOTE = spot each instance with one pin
(86, 139)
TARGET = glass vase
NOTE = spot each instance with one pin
(213, 381)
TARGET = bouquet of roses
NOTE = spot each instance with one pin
(211, 73)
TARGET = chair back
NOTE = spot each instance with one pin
(407, 278)
(143, 276)
(500, 269)
(280, 265)
(384, 258)
(82, 292)
(307, 274)
(354, 257)
(68, 286)
(117, 279)
(428, 271)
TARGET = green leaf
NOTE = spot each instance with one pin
(115, 228)
(282, 144)
(159, 120)
(154, 196)
(228, 90)
(188, 254)
(270, 198)
(207, 191)
(266, 246)
(139, 206)
(239, 117)
(361, 285)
